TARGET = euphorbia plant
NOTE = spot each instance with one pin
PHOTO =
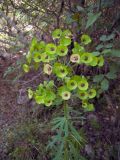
(65, 85)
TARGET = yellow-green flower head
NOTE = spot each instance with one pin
(41, 46)
(62, 50)
(66, 95)
(56, 34)
(30, 93)
(65, 41)
(83, 84)
(50, 49)
(75, 58)
(26, 68)
(49, 95)
(85, 39)
(39, 99)
(90, 107)
(82, 95)
(47, 69)
(86, 58)
(76, 78)
(37, 57)
(66, 33)
(48, 103)
(84, 104)
(92, 93)
(94, 61)
(101, 61)
(64, 92)
(78, 48)
(60, 70)
(71, 84)
(45, 58)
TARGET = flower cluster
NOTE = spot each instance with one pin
(57, 62)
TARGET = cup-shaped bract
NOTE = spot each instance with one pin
(64, 92)
(39, 99)
(83, 84)
(85, 39)
(66, 33)
(50, 49)
(71, 84)
(86, 58)
(37, 57)
(82, 95)
(101, 61)
(62, 50)
(92, 93)
(41, 46)
(94, 61)
(60, 70)
(49, 95)
(56, 34)
(65, 41)
(90, 107)
(78, 48)
(48, 103)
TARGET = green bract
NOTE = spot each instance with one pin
(41, 46)
(56, 33)
(39, 99)
(78, 48)
(37, 57)
(48, 103)
(65, 41)
(83, 84)
(92, 93)
(85, 39)
(66, 33)
(77, 78)
(66, 95)
(60, 70)
(90, 107)
(26, 68)
(62, 50)
(94, 61)
(86, 58)
(100, 61)
(64, 92)
(82, 95)
(71, 84)
(50, 49)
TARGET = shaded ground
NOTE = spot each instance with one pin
(10, 112)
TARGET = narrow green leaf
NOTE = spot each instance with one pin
(92, 18)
